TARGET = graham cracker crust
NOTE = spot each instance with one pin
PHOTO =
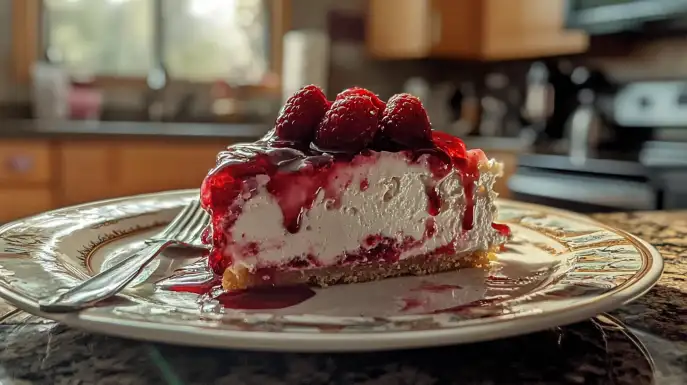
(236, 278)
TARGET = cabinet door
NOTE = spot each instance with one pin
(151, 166)
(470, 29)
(518, 29)
(456, 27)
(399, 28)
(19, 202)
(25, 162)
(94, 170)
(87, 171)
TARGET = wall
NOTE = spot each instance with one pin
(663, 59)
(349, 64)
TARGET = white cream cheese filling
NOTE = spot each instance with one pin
(394, 204)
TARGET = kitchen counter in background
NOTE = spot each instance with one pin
(45, 165)
(36, 351)
(30, 129)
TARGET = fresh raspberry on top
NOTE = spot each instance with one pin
(364, 92)
(301, 114)
(405, 122)
(349, 125)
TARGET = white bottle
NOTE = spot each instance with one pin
(305, 60)
(50, 91)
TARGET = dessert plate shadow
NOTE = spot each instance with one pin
(560, 268)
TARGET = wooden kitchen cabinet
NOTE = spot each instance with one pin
(26, 178)
(19, 202)
(86, 171)
(93, 170)
(37, 175)
(470, 29)
(25, 162)
(147, 166)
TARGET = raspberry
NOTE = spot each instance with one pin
(349, 125)
(405, 122)
(301, 114)
(362, 91)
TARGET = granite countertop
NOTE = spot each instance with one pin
(644, 342)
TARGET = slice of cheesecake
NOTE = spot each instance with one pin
(349, 191)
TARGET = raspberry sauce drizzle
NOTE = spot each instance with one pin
(197, 279)
(501, 228)
(458, 156)
(263, 298)
(433, 201)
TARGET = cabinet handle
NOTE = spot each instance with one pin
(435, 27)
(19, 163)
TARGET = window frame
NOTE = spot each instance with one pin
(27, 20)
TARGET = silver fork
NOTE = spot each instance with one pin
(184, 230)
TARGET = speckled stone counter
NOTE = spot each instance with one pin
(644, 342)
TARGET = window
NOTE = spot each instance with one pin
(197, 40)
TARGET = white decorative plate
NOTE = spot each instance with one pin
(560, 268)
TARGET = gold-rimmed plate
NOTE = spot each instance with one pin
(560, 268)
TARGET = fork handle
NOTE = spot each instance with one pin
(104, 285)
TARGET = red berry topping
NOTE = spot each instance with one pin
(349, 125)
(474, 158)
(449, 144)
(301, 114)
(362, 91)
(405, 121)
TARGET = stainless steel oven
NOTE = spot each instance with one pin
(613, 16)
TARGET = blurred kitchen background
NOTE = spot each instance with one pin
(584, 100)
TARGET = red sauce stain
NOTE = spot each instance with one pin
(464, 161)
(411, 303)
(263, 298)
(430, 228)
(469, 217)
(251, 248)
(364, 184)
(443, 250)
(200, 288)
(204, 283)
(436, 288)
(206, 236)
(373, 240)
(433, 201)
(501, 228)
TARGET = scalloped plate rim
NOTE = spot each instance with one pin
(193, 335)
